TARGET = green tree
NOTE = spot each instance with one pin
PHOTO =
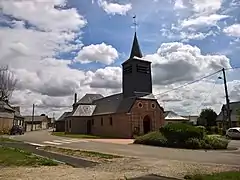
(207, 118)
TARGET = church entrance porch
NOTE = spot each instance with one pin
(146, 124)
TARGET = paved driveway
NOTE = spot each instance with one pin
(199, 156)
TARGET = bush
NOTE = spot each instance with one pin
(179, 132)
(153, 138)
(193, 143)
(216, 142)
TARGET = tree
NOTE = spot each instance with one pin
(7, 83)
(207, 117)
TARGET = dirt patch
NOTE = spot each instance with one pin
(119, 169)
(87, 155)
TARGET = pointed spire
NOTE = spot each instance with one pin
(136, 51)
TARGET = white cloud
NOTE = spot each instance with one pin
(203, 21)
(44, 15)
(177, 62)
(179, 4)
(30, 52)
(205, 7)
(109, 77)
(103, 53)
(233, 30)
(114, 8)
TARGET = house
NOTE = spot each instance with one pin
(36, 123)
(222, 117)
(18, 118)
(122, 115)
(60, 122)
(172, 117)
(192, 119)
(6, 116)
(9, 116)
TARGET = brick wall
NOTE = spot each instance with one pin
(6, 123)
(119, 127)
(143, 108)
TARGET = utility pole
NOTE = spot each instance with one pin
(32, 116)
(227, 98)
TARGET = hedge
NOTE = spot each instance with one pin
(183, 136)
(180, 132)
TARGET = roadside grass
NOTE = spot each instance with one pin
(80, 153)
(83, 136)
(5, 139)
(18, 157)
(234, 175)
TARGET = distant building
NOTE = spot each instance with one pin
(37, 123)
(222, 117)
(192, 119)
(9, 116)
(172, 117)
(134, 111)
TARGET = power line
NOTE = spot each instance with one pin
(210, 92)
(189, 83)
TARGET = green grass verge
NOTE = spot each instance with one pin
(216, 176)
(18, 157)
(80, 153)
(5, 139)
(83, 136)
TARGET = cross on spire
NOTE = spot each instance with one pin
(135, 23)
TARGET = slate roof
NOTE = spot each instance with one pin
(62, 117)
(89, 98)
(5, 106)
(117, 104)
(36, 118)
(234, 106)
(136, 51)
(170, 115)
(84, 110)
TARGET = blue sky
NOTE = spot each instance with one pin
(59, 47)
(117, 29)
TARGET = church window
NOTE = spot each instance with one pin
(92, 121)
(140, 105)
(153, 105)
(127, 69)
(143, 69)
(101, 121)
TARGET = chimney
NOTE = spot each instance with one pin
(75, 98)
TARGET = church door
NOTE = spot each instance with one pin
(146, 124)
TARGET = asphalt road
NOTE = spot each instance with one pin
(140, 151)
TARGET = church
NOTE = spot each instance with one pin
(135, 111)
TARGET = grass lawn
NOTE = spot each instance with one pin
(86, 136)
(18, 157)
(80, 153)
(216, 176)
(4, 139)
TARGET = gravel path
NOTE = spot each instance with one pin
(112, 170)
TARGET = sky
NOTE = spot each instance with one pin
(56, 48)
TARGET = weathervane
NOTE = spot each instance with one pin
(135, 23)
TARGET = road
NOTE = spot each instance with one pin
(196, 156)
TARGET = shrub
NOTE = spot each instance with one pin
(193, 143)
(179, 132)
(203, 130)
(153, 138)
(216, 142)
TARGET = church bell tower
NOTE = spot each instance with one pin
(136, 73)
